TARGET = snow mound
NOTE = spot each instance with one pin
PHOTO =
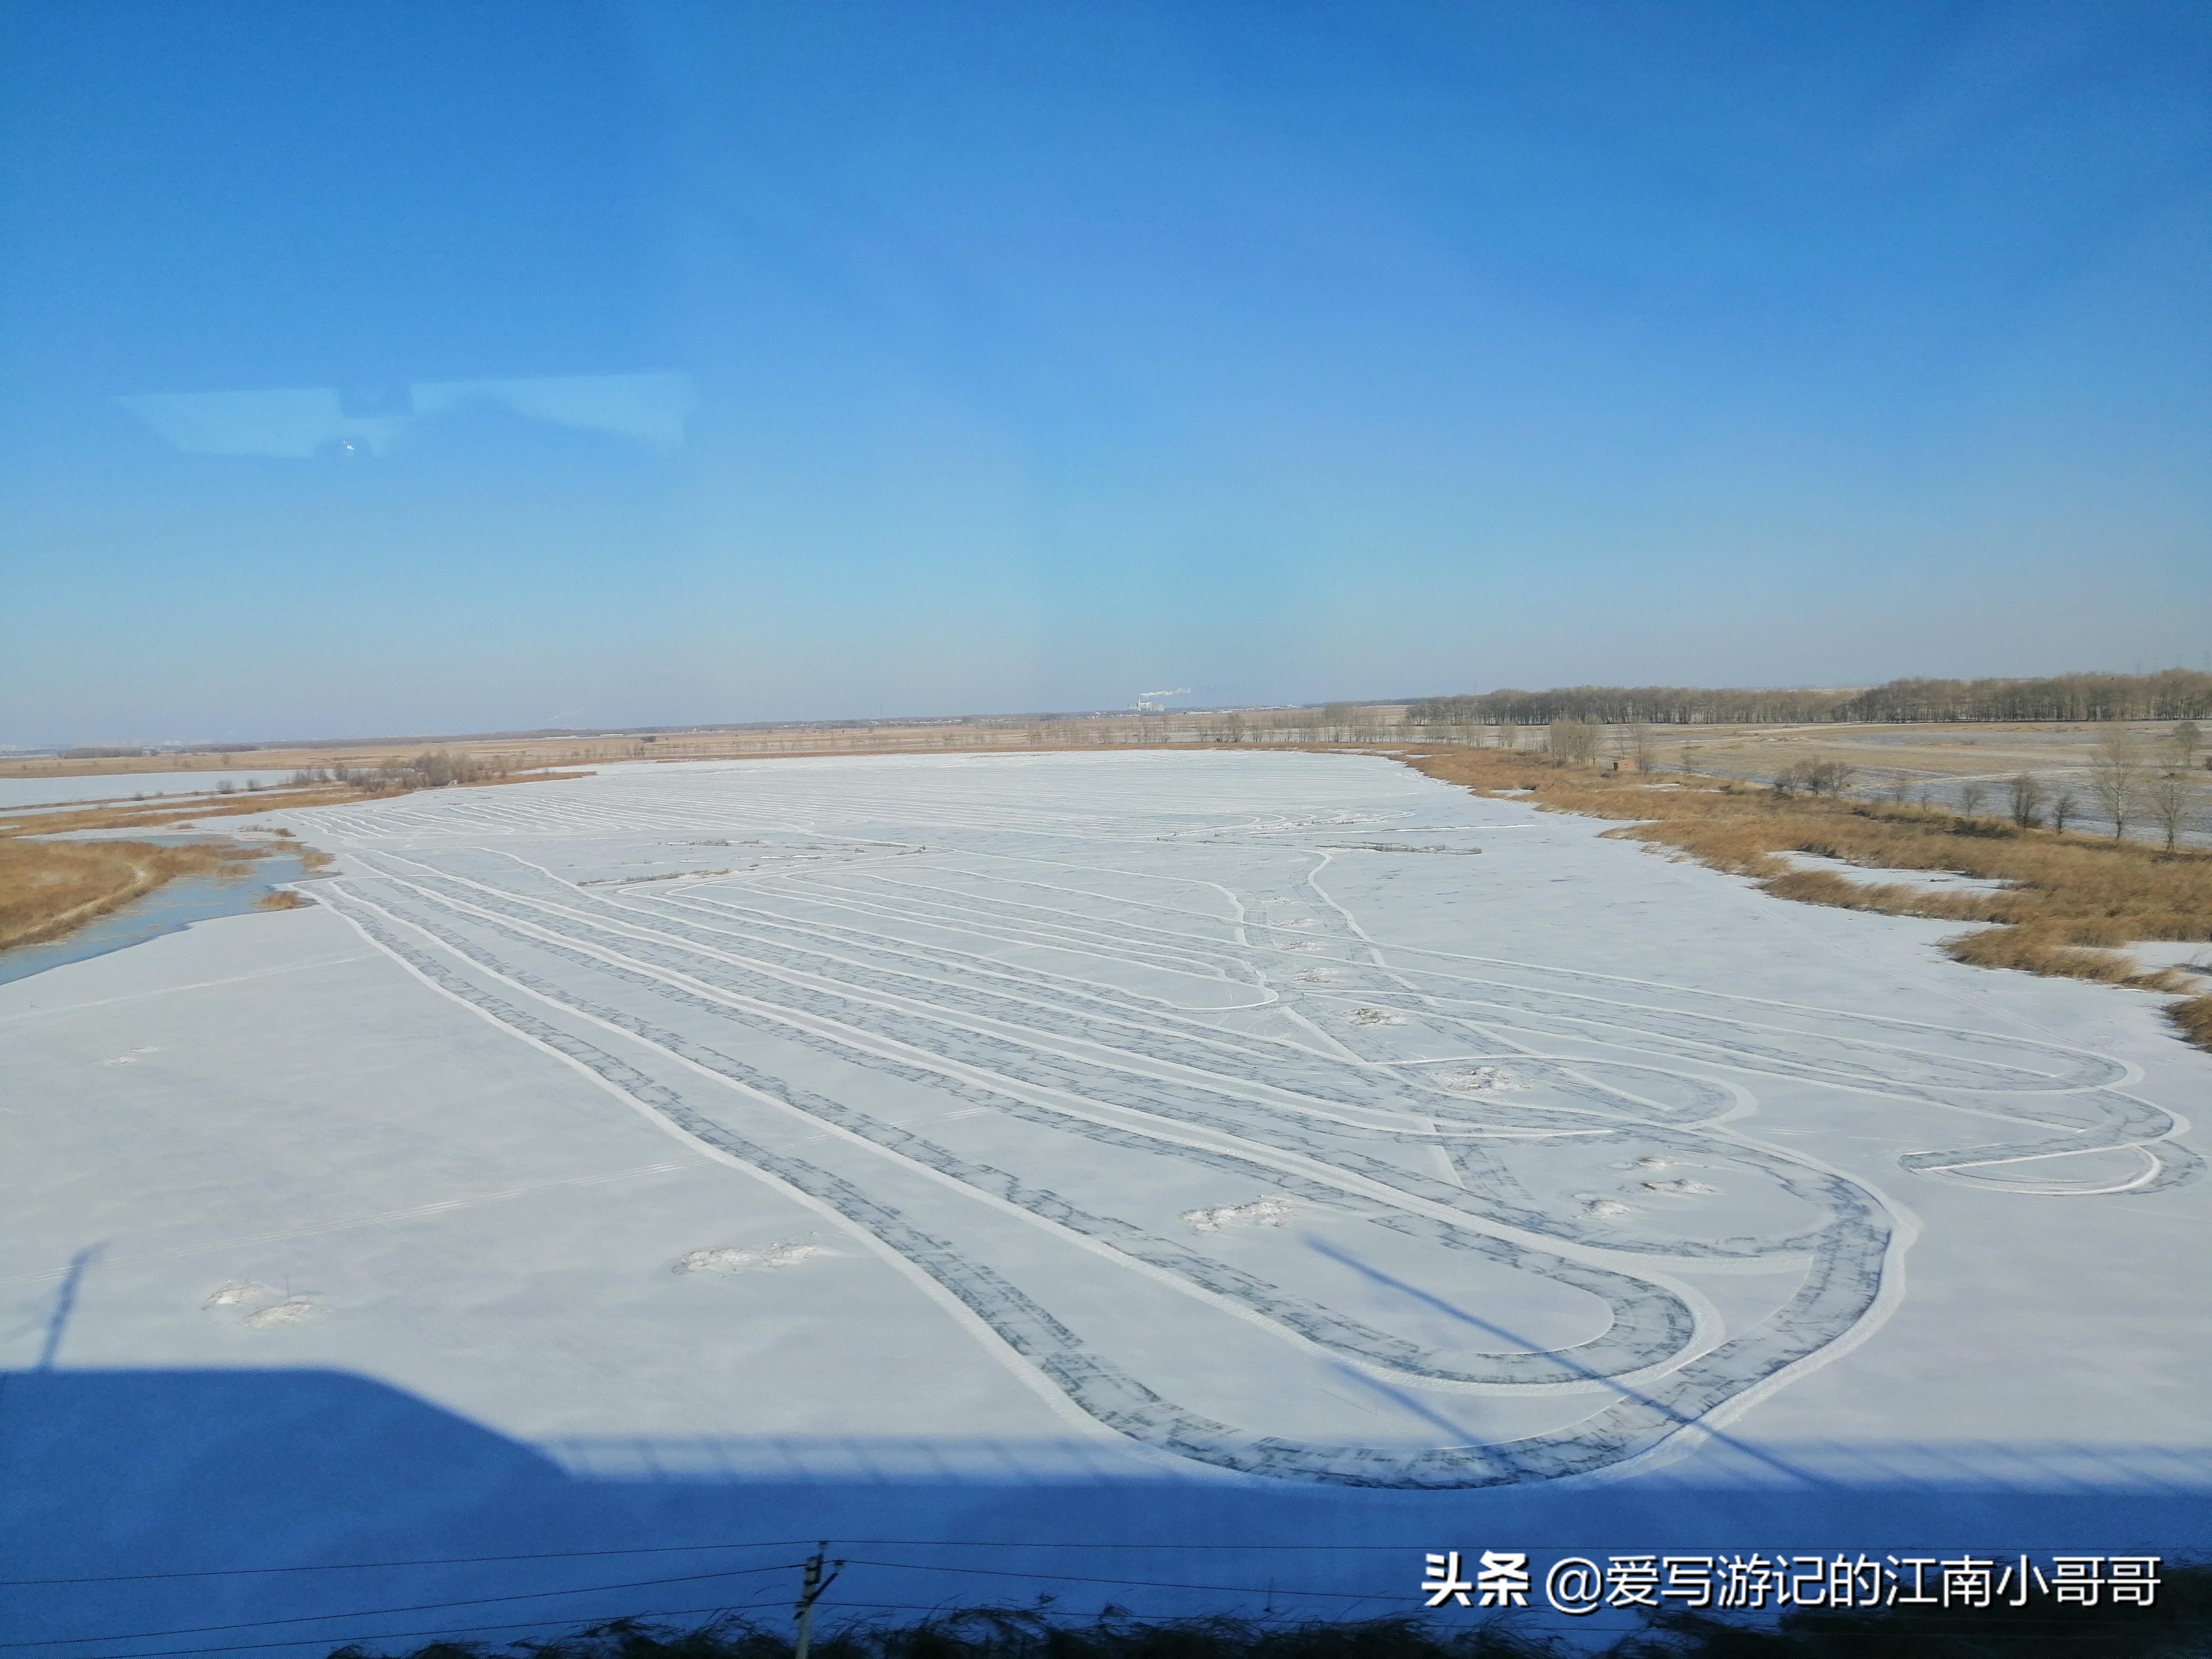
(1366, 1016)
(769, 1258)
(1679, 1189)
(1481, 1081)
(1606, 1209)
(290, 1311)
(130, 1057)
(1265, 1211)
(263, 1307)
(1315, 977)
(238, 1293)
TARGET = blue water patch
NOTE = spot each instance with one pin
(166, 910)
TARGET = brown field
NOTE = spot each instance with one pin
(1952, 749)
(1017, 731)
(2071, 905)
(536, 755)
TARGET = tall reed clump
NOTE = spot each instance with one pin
(2066, 905)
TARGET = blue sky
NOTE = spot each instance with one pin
(1005, 357)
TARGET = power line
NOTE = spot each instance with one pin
(1133, 1583)
(425, 1561)
(454, 1630)
(905, 1566)
(723, 1609)
(671, 1549)
(727, 1609)
(378, 1613)
(642, 1583)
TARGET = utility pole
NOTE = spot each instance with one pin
(810, 1592)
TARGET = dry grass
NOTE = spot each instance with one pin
(49, 888)
(150, 815)
(2069, 905)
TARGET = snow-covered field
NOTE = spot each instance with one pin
(1217, 1152)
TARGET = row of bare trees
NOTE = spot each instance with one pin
(2132, 780)
(2171, 694)
(434, 769)
(1627, 705)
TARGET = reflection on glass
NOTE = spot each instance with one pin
(647, 408)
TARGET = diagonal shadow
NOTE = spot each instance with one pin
(1683, 1418)
(64, 1305)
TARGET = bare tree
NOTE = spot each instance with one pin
(1641, 747)
(2116, 774)
(1816, 777)
(2063, 802)
(1971, 794)
(1574, 743)
(2185, 740)
(2170, 794)
(2027, 797)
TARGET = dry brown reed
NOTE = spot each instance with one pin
(2069, 906)
(49, 888)
(150, 817)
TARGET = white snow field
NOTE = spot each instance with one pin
(1235, 1171)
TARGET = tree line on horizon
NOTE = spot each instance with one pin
(2171, 694)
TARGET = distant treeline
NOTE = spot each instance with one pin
(434, 769)
(2171, 695)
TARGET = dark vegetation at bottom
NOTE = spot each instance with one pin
(2179, 1626)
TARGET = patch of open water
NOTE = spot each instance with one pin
(166, 910)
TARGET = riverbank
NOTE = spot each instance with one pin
(2052, 901)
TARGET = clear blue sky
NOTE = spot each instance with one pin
(1028, 356)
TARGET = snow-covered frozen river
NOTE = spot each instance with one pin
(1152, 1152)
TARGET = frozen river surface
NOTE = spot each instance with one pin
(1129, 1150)
(125, 786)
